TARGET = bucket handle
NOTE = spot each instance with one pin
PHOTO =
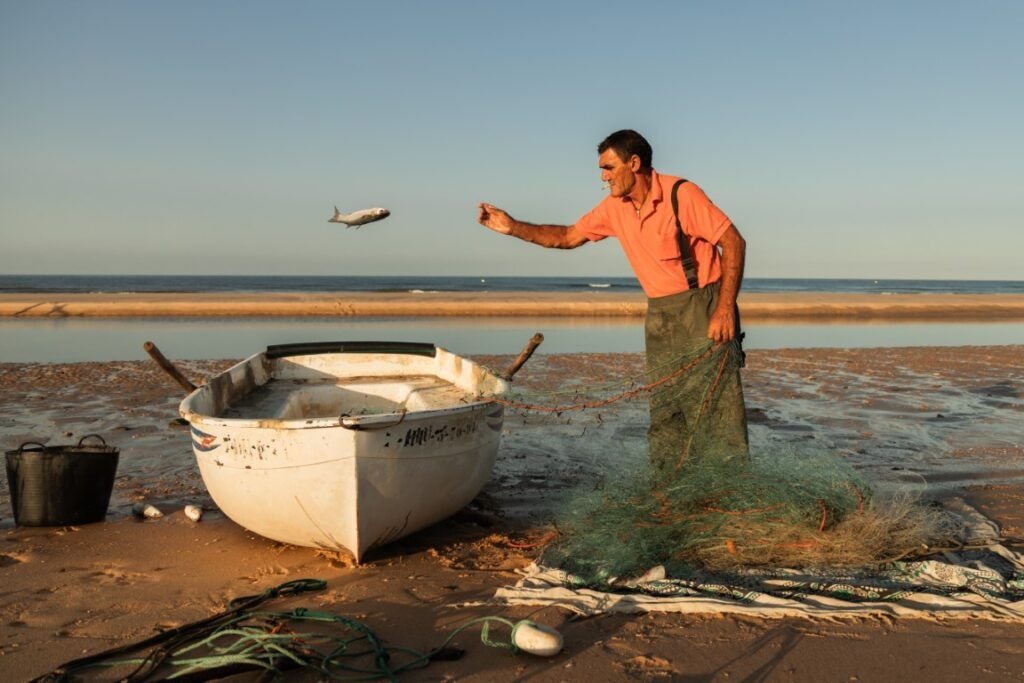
(89, 436)
(21, 448)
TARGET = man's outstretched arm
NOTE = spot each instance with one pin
(722, 327)
(550, 236)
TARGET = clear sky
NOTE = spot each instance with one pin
(867, 139)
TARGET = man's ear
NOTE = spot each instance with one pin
(634, 163)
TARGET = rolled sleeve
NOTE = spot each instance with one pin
(595, 225)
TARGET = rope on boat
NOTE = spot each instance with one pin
(628, 394)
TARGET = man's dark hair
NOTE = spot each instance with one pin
(626, 143)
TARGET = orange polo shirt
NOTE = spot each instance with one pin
(649, 240)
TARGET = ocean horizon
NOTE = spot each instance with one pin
(111, 284)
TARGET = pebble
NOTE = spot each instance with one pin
(653, 574)
(193, 512)
(147, 511)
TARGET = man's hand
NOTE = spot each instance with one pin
(722, 326)
(494, 218)
(550, 236)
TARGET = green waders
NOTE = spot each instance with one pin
(676, 324)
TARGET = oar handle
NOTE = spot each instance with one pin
(523, 356)
(168, 367)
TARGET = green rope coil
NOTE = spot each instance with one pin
(243, 637)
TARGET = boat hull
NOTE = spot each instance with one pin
(347, 484)
(354, 490)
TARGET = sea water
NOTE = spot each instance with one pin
(476, 283)
(66, 340)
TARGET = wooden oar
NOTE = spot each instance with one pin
(168, 367)
(523, 356)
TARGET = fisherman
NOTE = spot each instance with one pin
(691, 289)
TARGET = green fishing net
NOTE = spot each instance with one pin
(711, 515)
(703, 502)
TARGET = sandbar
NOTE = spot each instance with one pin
(789, 306)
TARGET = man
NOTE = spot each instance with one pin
(691, 291)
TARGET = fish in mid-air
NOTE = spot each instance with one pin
(358, 218)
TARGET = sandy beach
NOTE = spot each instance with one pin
(940, 421)
(793, 306)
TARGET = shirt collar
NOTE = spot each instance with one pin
(655, 193)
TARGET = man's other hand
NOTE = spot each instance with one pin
(722, 326)
(494, 218)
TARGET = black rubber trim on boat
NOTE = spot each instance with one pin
(314, 348)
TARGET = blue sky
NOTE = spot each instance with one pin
(843, 139)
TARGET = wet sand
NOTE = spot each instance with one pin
(806, 306)
(940, 420)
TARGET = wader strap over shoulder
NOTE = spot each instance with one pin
(685, 253)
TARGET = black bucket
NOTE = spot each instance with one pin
(61, 485)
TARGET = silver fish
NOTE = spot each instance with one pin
(358, 218)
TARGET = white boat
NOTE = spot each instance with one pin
(346, 445)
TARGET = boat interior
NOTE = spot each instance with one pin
(298, 399)
(318, 385)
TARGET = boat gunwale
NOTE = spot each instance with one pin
(351, 422)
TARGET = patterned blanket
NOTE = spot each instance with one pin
(977, 582)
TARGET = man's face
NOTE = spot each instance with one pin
(620, 175)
